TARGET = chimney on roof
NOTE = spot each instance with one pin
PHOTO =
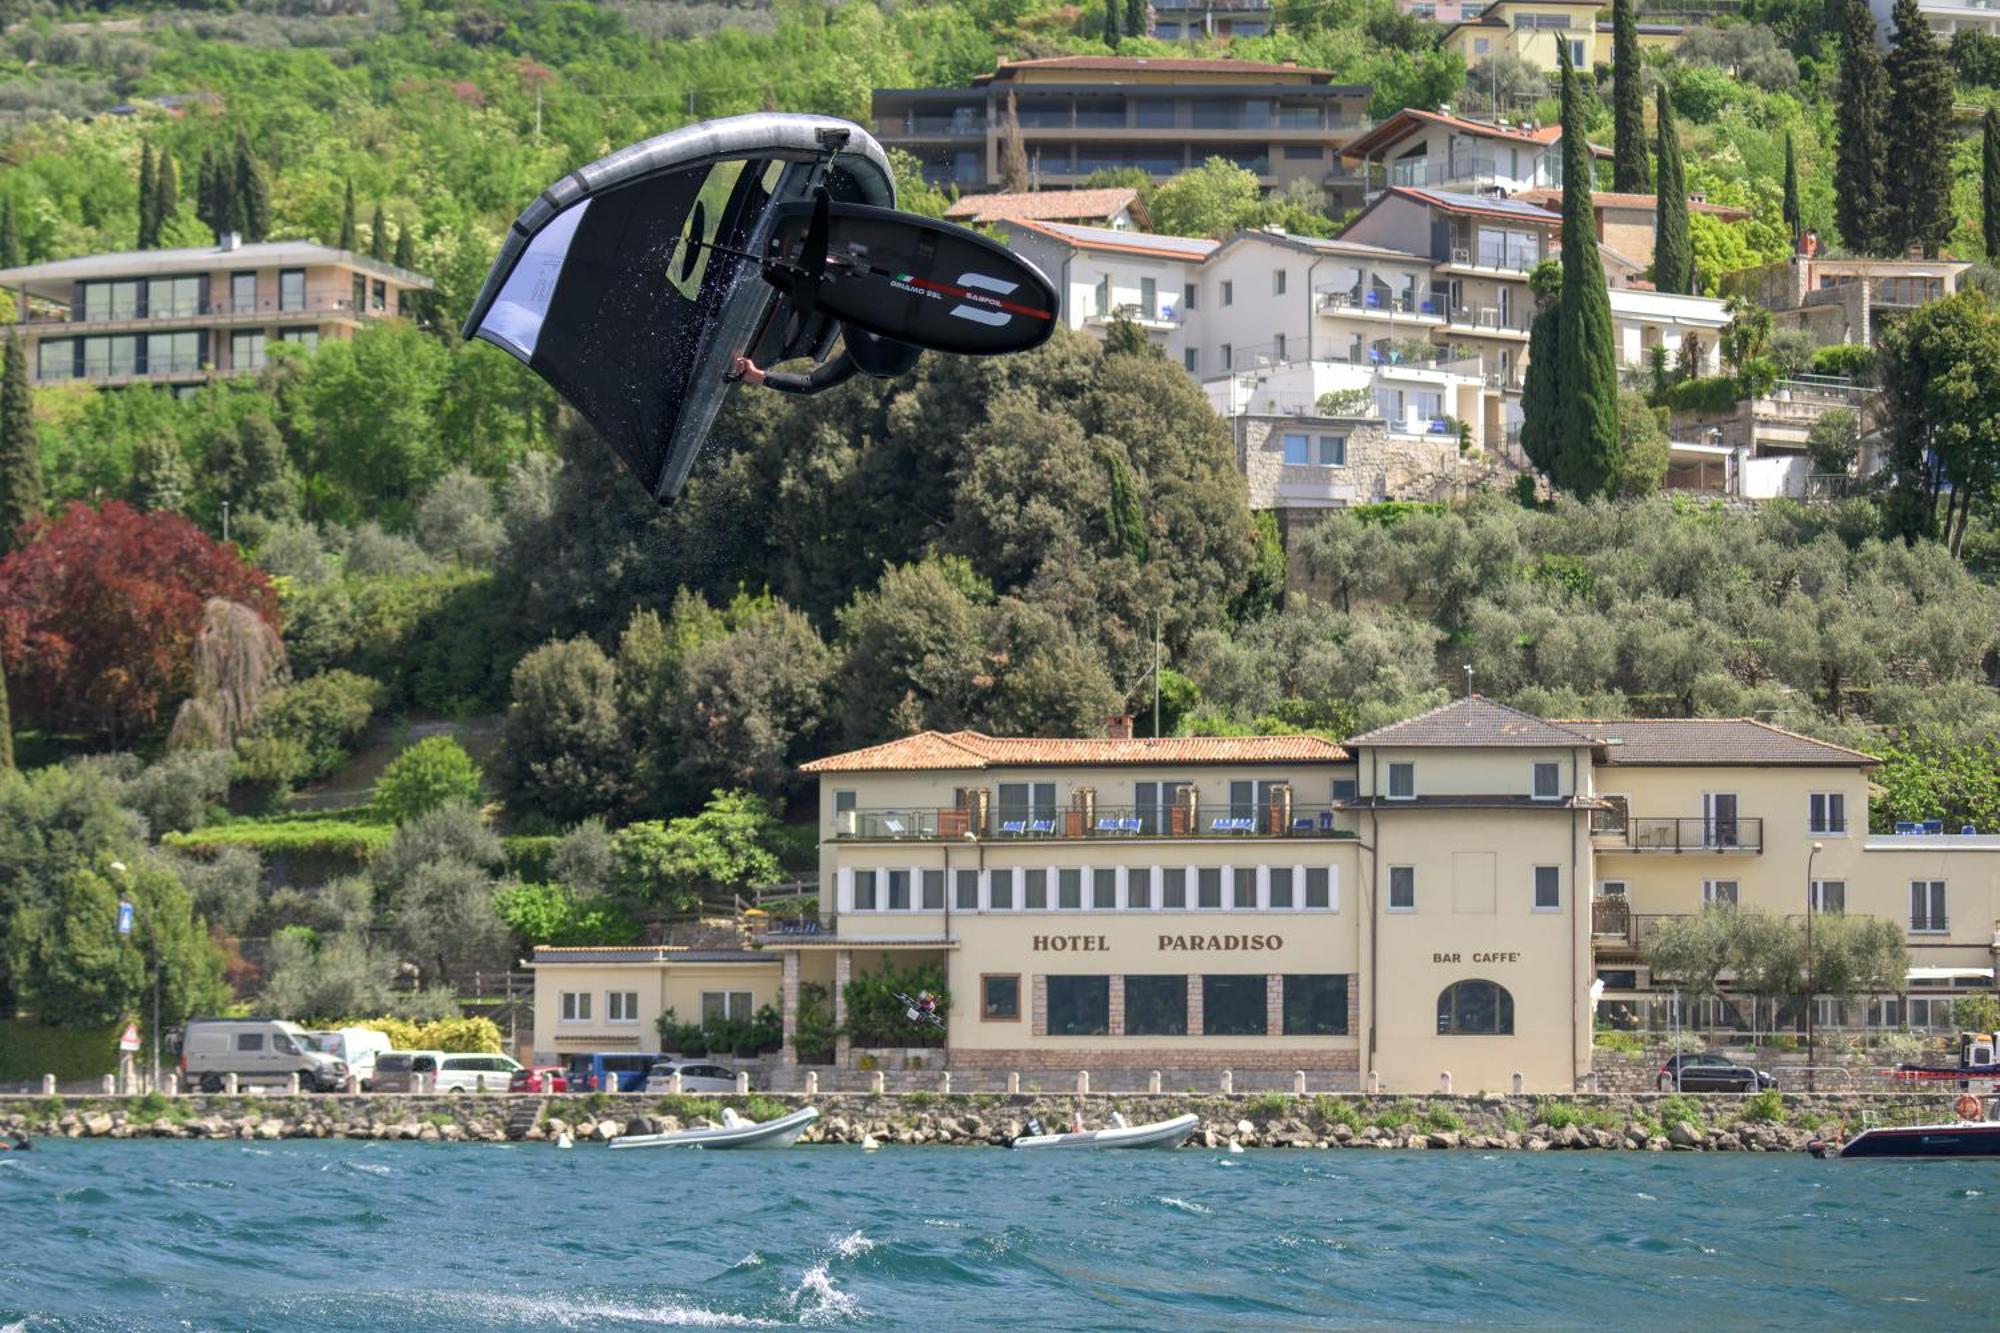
(1697, 196)
(1118, 727)
(229, 240)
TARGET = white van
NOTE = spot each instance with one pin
(475, 1073)
(357, 1046)
(256, 1050)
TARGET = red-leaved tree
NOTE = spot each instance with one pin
(99, 609)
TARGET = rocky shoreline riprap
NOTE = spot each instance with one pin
(1643, 1123)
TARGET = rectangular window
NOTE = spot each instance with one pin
(1611, 888)
(724, 1006)
(1149, 297)
(1319, 881)
(1000, 890)
(1402, 782)
(1069, 890)
(1278, 347)
(380, 298)
(899, 890)
(1208, 887)
(1281, 886)
(173, 298)
(1242, 800)
(291, 289)
(1035, 890)
(1104, 889)
(360, 298)
(1139, 888)
(180, 353)
(1187, 296)
(1548, 781)
(306, 338)
(1277, 282)
(1191, 360)
(1718, 893)
(1346, 789)
(1829, 896)
(575, 1006)
(1827, 812)
(1548, 889)
(967, 897)
(1304, 153)
(1227, 354)
(1228, 293)
(1156, 1006)
(1104, 294)
(621, 1006)
(1079, 1006)
(249, 1041)
(55, 359)
(246, 351)
(1402, 888)
(1315, 1006)
(843, 802)
(1927, 906)
(864, 890)
(1333, 451)
(1244, 898)
(1173, 888)
(242, 292)
(1000, 998)
(1298, 450)
(1235, 1004)
(1026, 801)
(933, 888)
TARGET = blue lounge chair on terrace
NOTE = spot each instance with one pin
(1014, 828)
(1969, 830)
(1933, 826)
(1220, 825)
(1129, 826)
(1303, 824)
(1107, 826)
(1043, 828)
(1908, 826)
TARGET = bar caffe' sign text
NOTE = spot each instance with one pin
(1167, 944)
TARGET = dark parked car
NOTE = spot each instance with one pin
(1709, 1072)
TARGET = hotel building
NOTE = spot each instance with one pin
(1440, 895)
(182, 317)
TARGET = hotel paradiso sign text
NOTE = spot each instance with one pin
(1167, 943)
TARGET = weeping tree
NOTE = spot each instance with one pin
(238, 659)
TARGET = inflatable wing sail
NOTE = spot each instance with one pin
(632, 285)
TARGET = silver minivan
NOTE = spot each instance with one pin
(257, 1050)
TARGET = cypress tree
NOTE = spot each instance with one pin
(1111, 23)
(166, 193)
(1587, 457)
(378, 235)
(1138, 23)
(10, 235)
(1795, 218)
(20, 453)
(1860, 183)
(1629, 169)
(1541, 388)
(1013, 152)
(253, 193)
(406, 250)
(149, 222)
(1920, 136)
(204, 189)
(1673, 247)
(348, 241)
(6, 726)
(1989, 185)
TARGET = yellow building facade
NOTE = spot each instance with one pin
(1537, 31)
(1459, 896)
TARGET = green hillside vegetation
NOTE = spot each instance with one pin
(988, 544)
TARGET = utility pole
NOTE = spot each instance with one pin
(225, 522)
(1156, 675)
(1468, 680)
(1812, 970)
(538, 113)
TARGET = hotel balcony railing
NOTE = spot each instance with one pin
(932, 126)
(1336, 300)
(1107, 823)
(1637, 833)
(157, 368)
(1490, 318)
(1611, 916)
(273, 309)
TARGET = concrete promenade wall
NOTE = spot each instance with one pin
(1647, 1122)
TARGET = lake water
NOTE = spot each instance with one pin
(332, 1235)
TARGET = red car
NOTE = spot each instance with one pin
(542, 1078)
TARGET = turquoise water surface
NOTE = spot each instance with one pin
(332, 1235)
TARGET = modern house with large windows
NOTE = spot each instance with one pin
(182, 317)
(1161, 114)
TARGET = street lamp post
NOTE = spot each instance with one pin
(153, 940)
(1812, 971)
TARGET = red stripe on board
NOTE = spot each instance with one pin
(953, 289)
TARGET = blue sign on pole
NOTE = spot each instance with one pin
(126, 918)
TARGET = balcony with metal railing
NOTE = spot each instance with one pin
(1614, 830)
(1379, 303)
(313, 305)
(1106, 823)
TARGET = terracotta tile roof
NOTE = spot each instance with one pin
(1050, 206)
(1474, 721)
(973, 749)
(1713, 740)
(1552, 199)
(1154, 64)
(1195, 248)
(1409, 119)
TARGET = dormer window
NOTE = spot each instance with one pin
(1548, 782)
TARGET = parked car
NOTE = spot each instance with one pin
(696, 1076)
(542, 1078)
(476, 1073)
(609, 1071)
(1709, 1072)
(396, 1071)
(256, 1050)
(357, 1046)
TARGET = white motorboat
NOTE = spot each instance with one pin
(1160, 1134)
(733, 1132)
